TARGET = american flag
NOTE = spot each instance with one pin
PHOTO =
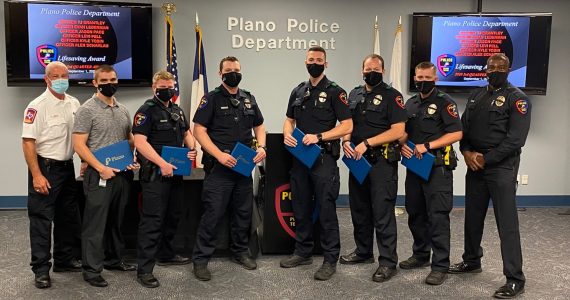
(171, 64)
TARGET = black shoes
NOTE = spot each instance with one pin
(121, 267)
(73, 265)
(326, 271)
(42, 281)
(413, 263)
(201, 272)
(436, 277)
(175, 260)
(509, 290)
(97, 281)
(384, 273)
(353, 258)
(294, 261)
(148, 280)
(463, 267)
(245, 261)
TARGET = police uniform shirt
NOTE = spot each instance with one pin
(497, 121)
(105, 124)
(49, 121)
(373, 112)
(227, 122)
(431, 118)
(163, 126)
(317, 109)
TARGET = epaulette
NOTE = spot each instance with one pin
(440, 94)
(216, 90)
(358, 87)
(245, 91)
(332, 83)
(150, 102)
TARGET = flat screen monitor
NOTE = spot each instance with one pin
(81, 34)
(459, 44)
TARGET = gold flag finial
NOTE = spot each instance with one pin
(168, 8)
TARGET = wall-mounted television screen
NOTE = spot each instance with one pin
(81, 34)
(459, 44)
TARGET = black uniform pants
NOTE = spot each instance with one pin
(316, 188)
(60, 207)
(101, 235)
(428, 204)
(497, 182)
(223, 189)
(160, 215)
(372, 209)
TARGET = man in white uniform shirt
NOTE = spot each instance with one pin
(46, 142)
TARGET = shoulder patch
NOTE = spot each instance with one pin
(522, 106)
(342, 97)
(30, 116)
(140, 118)
(400, 101)
(203, 103)
(452, 110)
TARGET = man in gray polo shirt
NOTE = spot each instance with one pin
(99, 122)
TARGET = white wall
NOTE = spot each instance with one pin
(271, 74)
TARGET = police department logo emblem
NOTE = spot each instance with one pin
(203, 102)
(400, 101)
(140, 118)
(46, 54)
(322, 97)
(247, 103)
(452, 110)
(30, 116)
(342, 97)
(522, 106)
(500, 101)
(446, 64)
(432, 108)
(377, 100)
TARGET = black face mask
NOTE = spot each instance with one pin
(315, 70)
(232, 79)
(497, 79)
(372, 78)
(164, 94)
(425, 87)
(108, 89)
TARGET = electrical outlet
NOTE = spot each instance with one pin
(524, 179)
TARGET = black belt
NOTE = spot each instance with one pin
(54, 162)
(483, 151)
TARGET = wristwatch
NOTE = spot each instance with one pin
(263, 147)
(320, 137)
(427, 146)
(366, 143)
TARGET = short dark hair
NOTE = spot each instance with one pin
(372, 56)
(103, 69)
(318, 49)
(227, 58)
(425, 65)
(500, 56)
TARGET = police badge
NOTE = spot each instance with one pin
(322, 97)
(500, 101)
(377, 100)
(432, 108)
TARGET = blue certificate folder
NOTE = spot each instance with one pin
(422, 167)
(244, 156)
(359, 168)
(118, 155)
(178, 156)
(305, 154)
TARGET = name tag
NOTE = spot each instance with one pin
(224, 107)
(163, 121)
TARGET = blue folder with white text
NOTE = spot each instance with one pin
(244, 156)
(178, 156)
(421, 167)
(359, 168)
(118, 155)
(305, 154)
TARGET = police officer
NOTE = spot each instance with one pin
(495, 126)
(314, 107)
(433, 126)
(379, 119)
(224, 117)
(46, 142)
(159, 122)
(102, 121)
